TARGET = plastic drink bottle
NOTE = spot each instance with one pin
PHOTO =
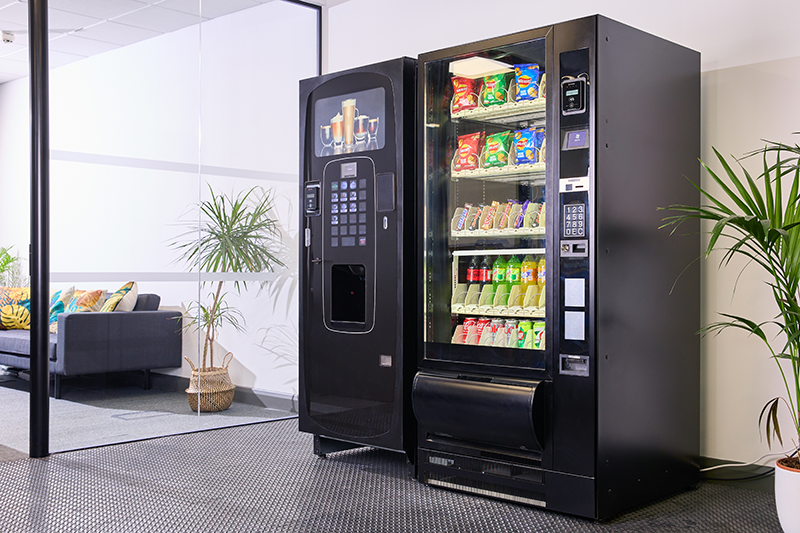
(473, 271)
(540, 274)
(485, 275)
(514, 271)
(528, 269)
(499, 273)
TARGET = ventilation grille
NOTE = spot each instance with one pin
(484, 488)
(481, 466)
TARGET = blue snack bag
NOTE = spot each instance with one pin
(527, 79)
(538, 142)
(524, 145)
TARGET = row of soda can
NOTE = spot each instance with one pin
(510, 333)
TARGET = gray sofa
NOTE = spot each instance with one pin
(94, 343)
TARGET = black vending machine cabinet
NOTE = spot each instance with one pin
(560, 367)
(357, 264)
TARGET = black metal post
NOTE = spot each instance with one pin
(40, 229)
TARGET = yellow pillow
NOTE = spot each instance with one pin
(15, 317)
(122, 300)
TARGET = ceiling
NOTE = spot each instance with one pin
(82, 28)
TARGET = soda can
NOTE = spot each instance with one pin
(512, 330)
(481, 326)
(495, 326)
(538, 336)
(524, 327)
(469, 324)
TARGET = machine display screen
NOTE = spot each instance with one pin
(350, 123)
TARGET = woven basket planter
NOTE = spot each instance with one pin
(211, 388)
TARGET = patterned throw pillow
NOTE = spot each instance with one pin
(58, 303)
(15, 296)
(15, 317)
(122, 300)
(86, 301)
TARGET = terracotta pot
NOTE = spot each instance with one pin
(787, 494)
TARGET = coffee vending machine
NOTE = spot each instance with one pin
(560, 362)
(358, 312)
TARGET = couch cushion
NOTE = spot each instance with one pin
(122, 300)
(18, 342)
(14, 317)
(147, 302)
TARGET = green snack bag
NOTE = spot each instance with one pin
(496, 151)
(493, 91)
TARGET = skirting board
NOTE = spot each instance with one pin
(270, 399)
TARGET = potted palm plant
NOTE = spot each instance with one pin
(759, 219)
(235, 234)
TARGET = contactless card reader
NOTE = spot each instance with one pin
(573, 96)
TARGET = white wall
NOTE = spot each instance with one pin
(751, 69)
(128, 129)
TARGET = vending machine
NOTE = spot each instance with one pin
(560, 363)
(357, 328)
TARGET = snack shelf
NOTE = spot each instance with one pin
(531, 171)
(513, 251)
(512, 312)
(508, 113)
(514, 232)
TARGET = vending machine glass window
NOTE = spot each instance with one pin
(485, 146)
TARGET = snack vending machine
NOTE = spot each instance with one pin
(560, 362)
(357, 261)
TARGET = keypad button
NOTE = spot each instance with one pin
(362, 218)
(344, 185)
(335, 231)
(353, 219)
(354, 195)
(335, 197)
(362, 206)
(334, 242)
(343, 208)
(362, 183)
(353, 184)
(352, 207)
(334, 220)
(334, 208)
(362, 241)
(362, 229)
(362, 195)
(352, 230)
(334, 185)
(348, 241)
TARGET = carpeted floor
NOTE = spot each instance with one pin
(95, 416)
(264, 478)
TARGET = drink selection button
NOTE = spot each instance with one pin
(362, 218)
(334, 220)
(362, 195)
(362, 229)
(354, 195)
(335, 231)
(362, 241)
(348, 241)
(353, 219)
(352, 230)
(334, 208)
(362, 183)
(334, 242)
(362, 206)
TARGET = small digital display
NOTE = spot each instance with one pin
(572, 92)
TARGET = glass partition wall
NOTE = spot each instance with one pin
(176, 123)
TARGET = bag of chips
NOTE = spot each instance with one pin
(538, 142)
(523, 146)
(527, 78)
(465, 94)
(493, 91)
(496, 150)
(468, 150)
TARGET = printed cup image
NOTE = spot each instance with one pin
(349, 112)
(372, 128)
(326, 135)
(336, 128)
(361, 127)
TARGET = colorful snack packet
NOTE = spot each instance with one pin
(468, 151)
(503, 222)
(473, 223)
(524, 146)
(462, 218)
(493, 91)
(465, 94)
(527, 78)
(489, 220)
(520, 218)
(496, 152)
(538, 142)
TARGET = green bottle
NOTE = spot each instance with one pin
(499, 273)
(514, 271)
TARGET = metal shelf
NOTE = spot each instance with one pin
(515, 232)
(512, 251)
(534, 172)
(508, 113)
(507, 312)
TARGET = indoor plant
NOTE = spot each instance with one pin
(235, 234)
(758, 219)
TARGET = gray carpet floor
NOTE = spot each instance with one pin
(265, 478)
(95, 416)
